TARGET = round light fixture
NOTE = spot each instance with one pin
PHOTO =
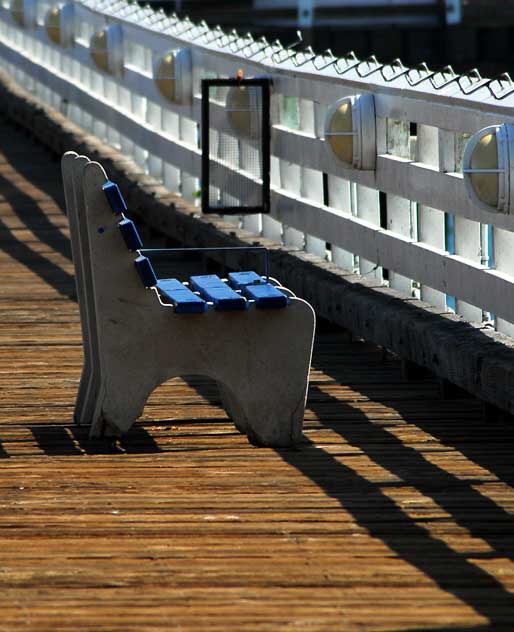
(350, 131)
(173, 75)
(243, 110)
(59, 24)
(487, 168)
(23, 12)
(106, 48)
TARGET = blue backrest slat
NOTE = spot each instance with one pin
(114, 197)
(146, 271)
(212, 288)
(183, 299)
(130, 234)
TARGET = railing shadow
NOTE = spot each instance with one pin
(27, 209)
(449, 569)
(428, 478)
(49, 272)
(42, 171)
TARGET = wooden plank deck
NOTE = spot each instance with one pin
(395, 514)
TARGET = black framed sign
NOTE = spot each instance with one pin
(236, 146)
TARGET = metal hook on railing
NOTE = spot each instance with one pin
(189, 29)
(225, 39)
(421, 77)
(447, 70)
(131, 9)
(201, 28)
(236, 37)
(373, 65)
(308, 55)
(211, 34)
(396, 63)
(476, 82)
(323, 56)
(169, 24)
(503, 92)
(289, 50)
(188, 26)
(351, 59)
(242, 43)
(264, 44)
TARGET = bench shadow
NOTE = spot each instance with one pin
(3, 453)
(75, 441)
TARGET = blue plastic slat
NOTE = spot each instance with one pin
(212, 288)
(114, 197)
(184, 301)
(266, 296)
(238, 280)
(130, 234)
(146, 271)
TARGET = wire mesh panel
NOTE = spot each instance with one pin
(235, 146)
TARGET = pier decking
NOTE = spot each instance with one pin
(395, 514)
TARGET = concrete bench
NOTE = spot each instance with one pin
(252, 337)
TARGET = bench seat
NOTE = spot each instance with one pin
(213, 289)
(266, 296)
(183, 300)
(255, 288)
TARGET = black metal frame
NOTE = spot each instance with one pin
(264, 84)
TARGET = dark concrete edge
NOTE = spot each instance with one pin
(473, 357)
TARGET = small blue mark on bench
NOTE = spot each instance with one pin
(212, 288)
(114, 197)
(183, 300)
(146, 271)
(254, 287)
(130, 234)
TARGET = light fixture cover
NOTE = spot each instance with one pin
(350, 131)
(106, 49)
(24, 12)
(243, 110)
(59, 24)
(172, 72)
(487, 168)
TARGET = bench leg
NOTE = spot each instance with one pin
(275, 424)
(82, 393)
(232, 408)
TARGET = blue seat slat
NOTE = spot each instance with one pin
(266, 296)
(184, 301)
(130, 234)
(254, 287)
(238, 280)
(146, 271)
(212, 288)
(114, 197)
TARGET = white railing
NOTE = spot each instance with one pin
(409, 223)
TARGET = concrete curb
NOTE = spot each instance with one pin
(473, 357)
